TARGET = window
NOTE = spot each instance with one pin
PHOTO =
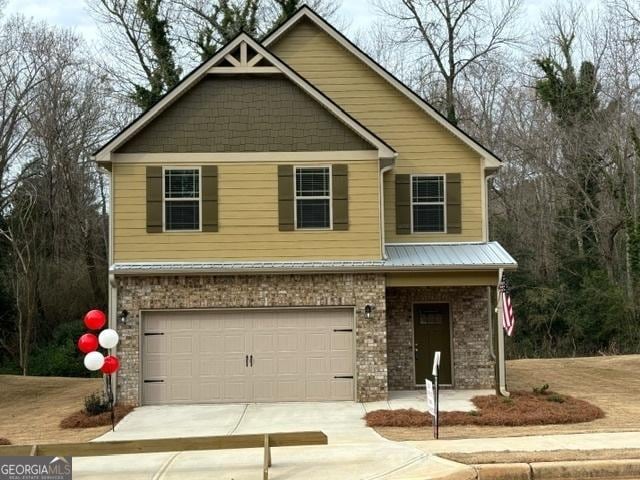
(427, 203)
(181, 199)
(313, 197)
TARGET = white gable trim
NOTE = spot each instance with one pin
(208, 67)
(305, 12)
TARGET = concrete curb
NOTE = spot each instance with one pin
(559, 470)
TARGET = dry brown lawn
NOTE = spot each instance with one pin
(611, 383)
(31, 408)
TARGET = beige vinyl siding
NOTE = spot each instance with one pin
(423, 145)
(248, 219)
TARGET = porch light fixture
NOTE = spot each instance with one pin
(368, 311)
(123, 317)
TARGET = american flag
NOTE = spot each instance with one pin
(508, 318)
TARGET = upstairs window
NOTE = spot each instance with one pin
(181, 199)
(427, 203)
(313, 197)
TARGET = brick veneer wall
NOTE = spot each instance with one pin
(178, 292)
(473, 366)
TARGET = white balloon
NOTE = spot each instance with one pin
(108, 338)
(93, 361)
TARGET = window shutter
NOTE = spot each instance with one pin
(209, 198)
(154, 199)
(340, 196)
(454, 203)
(286, 221)
(403, 204)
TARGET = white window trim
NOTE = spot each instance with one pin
(164, 198)
(443, 203)
(295, 197)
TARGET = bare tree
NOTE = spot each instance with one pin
(453, 34)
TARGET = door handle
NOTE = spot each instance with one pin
(246, 360)
(251, 360)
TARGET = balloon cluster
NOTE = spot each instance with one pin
(88, 343)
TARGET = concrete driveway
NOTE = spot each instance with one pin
(354, 451)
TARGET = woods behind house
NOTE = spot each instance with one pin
(557, 99)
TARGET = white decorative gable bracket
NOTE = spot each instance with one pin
(244, 59)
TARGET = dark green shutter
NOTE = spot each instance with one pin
(154, 199)
(340, 196)
(286, 222)
(209, 198)
(403, 204)
(454, 203)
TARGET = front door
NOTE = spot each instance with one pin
(432, 333)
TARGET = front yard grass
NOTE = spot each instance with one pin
(31, 408)
(609, 382)
(521, 408)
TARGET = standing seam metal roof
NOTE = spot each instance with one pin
(460, 256)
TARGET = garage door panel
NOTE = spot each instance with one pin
(211, 366)
(235, 343)
(341, 389)
(155, 344)
(317, 342)
(341, 366)
(156, 368)
(154, 392)
(181, 391)
(211, 343)
(202, 356)
(181, 344)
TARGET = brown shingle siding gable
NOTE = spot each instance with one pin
(244, 114)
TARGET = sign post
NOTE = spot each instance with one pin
(434, 373)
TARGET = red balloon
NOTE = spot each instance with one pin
(88, 343)
(95, 319)
(111, 364)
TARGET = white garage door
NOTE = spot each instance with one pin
(247, 356)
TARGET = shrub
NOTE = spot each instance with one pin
(95, 404)
(541, 390)
(82, 420)
(60, 357)
(554, 397)
(4, 441)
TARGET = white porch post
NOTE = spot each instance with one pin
(502, 374)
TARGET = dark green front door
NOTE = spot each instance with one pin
(432, 333)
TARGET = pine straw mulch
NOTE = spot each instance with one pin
(82, 420)
(4, 441)
(520, 409)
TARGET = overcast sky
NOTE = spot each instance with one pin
(73, 13)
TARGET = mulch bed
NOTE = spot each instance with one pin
(520, 409)
(4, 441)
(82, 420)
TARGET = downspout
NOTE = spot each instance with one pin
(113, 287)
(384, 170)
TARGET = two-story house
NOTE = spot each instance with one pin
(292, 223)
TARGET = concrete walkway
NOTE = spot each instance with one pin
(534, 443)
(354, 451)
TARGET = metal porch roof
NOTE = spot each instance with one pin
(401, 257)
